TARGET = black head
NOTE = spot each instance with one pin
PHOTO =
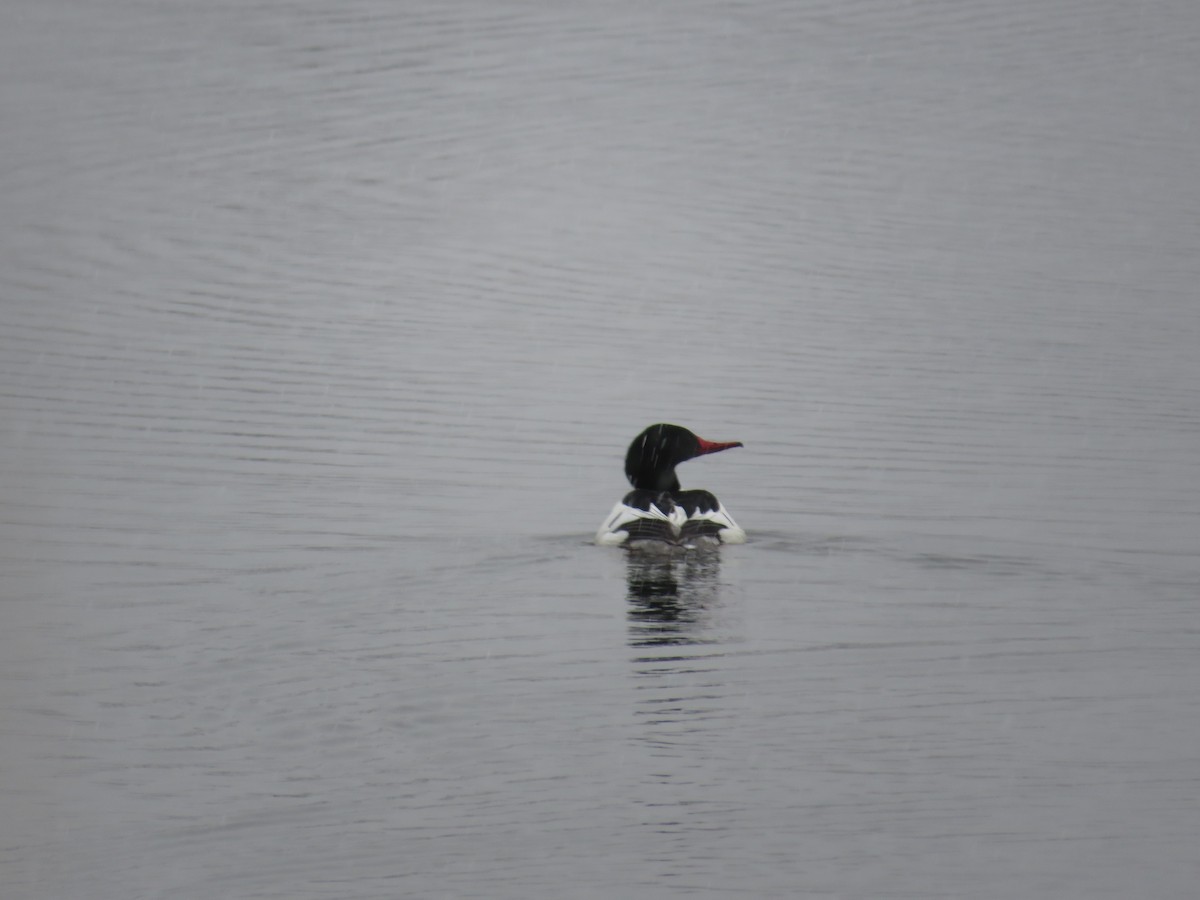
(654, 454)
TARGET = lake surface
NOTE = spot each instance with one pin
(325, 328)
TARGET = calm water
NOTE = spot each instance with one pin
(325, 327)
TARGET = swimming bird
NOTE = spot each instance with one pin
(657, 509)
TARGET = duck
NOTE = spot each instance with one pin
(658, 510)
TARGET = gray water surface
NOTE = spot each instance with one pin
(325, 328)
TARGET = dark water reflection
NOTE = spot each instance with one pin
(672, 596)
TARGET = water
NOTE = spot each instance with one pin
(325, 328)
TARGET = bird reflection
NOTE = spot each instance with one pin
(672, 596)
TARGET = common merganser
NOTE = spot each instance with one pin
(656, 509)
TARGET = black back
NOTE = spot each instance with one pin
(691, 502)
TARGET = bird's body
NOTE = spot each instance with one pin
(657, 509)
